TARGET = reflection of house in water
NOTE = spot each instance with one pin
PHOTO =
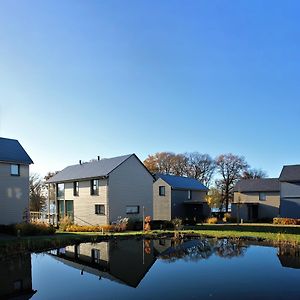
(125, 261)
(15, 278)
(289, 256)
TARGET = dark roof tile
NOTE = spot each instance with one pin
(181, 182)
(12, 151)
(258, 185)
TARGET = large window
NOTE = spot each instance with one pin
(99, 209)
(162, 191)
(132, 209)
(262, 196)
(76, 188)
(94, 187)
(15, 170)
(60, 191)
(189, 194)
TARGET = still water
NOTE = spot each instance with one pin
(157, 269)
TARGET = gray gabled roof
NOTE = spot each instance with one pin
(258, 185)
(181, 182)
(100, 168)
(11, 151)
(290, 173)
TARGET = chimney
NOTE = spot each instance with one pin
(98, 157)
(80, 162)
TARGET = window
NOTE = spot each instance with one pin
(95, 256)
(60, 191)
(99, 209)
(132, 209)
(95, 187)
(162, 191)
(189, 194)
(15, 170)
(76, 188)
(262, 196)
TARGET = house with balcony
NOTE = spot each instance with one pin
(290, 192)
(101, 191)
(179, 197)
(14, 181)
(256, 199)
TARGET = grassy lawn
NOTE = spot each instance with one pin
(275, 234)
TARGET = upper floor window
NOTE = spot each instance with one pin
(262, 196)
(189, 194)
(162, 191)
(60, 191)
(132, 209)
(94, 187)
(76, 188)
(15, 170)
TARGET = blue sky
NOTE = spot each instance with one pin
(85, 78)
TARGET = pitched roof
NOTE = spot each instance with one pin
(92, 169)
(258, 185)
(290, 173)
(181, 182)
(12, 151)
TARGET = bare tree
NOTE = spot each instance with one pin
(179, 165)
(254, 174)
(231, 168)
(37, 192)
(201, 167)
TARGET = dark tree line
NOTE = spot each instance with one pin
(227, 168)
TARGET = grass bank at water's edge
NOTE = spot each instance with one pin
(269, 233)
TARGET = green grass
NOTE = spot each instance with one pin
(270, 233)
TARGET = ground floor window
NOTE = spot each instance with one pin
(95, 256)
(132, 209)
(99, 209)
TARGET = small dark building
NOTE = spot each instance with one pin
(179, 197)
(256, 199)
(290, 192)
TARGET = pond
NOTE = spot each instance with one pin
(154, 269)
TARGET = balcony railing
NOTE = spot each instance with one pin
(43, 217)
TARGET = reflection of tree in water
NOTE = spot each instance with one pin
(228, 248)
(194, 250)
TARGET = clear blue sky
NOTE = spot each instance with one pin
(85, 78)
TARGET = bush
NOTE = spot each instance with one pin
(34, 229)
(90, 228)
(227, 217)
(177, 223)
(161, 225)
(212, 220)
(64, 223)
(286, 221)
(134, 224)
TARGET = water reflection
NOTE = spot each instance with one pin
(289, 256)
(127, 262)
(193, 250)
(16, 278)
